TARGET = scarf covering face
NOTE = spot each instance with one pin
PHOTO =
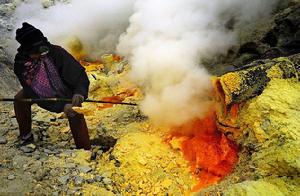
(43, 78)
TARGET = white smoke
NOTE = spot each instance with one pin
(164, 41)
(96, 23)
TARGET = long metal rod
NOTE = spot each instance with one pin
(64, 100)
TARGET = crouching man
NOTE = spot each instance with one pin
(47, 71)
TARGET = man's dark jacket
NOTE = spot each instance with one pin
(71, 72)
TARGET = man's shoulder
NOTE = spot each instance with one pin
(57, 50)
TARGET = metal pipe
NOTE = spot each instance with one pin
(64, 100)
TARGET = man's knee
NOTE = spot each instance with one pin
(20, 95)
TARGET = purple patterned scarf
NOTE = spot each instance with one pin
(43, 78)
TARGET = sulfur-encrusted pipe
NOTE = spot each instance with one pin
(236, 87)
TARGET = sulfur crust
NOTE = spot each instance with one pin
(231, 83)
(275, 72)
(272, 122)
(274, 113)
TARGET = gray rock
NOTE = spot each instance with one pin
(84, 169)
(32, 146)
(74, 173)
(10, 177)
(40, 174)
(90, 180)
(62, 144)
(64, 179)
(47, 151)
(43, 158)
(14, 122)
(99, 178)
(41, 118)
(3, 140)
(54, 172)
(18, 161)
(3, 131)
(36, 156)
(70, 165)
(65, 137)
(26, 149)
(25, 167)
(56, 193)
(78, 180)
(35, 166)
(71, 192)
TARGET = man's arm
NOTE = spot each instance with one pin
(18, 67)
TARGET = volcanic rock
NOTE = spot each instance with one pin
(28, 148)
(64, 179)
(3, 140)
(11, 177)
(78, 180)
(99, 178)
(84, 169)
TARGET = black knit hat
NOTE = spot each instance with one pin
(29, 36)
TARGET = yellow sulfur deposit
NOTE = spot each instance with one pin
(274, 114)
(270, 122)
(148, 166)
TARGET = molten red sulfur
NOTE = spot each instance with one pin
(117, 98)
(111, 99)
(211, 155)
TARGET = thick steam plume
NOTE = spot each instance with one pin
(167, 39)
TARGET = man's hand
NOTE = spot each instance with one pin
(77, 100)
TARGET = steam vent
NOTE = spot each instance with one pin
(184, 97)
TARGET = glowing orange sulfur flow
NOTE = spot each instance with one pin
(210, 154)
